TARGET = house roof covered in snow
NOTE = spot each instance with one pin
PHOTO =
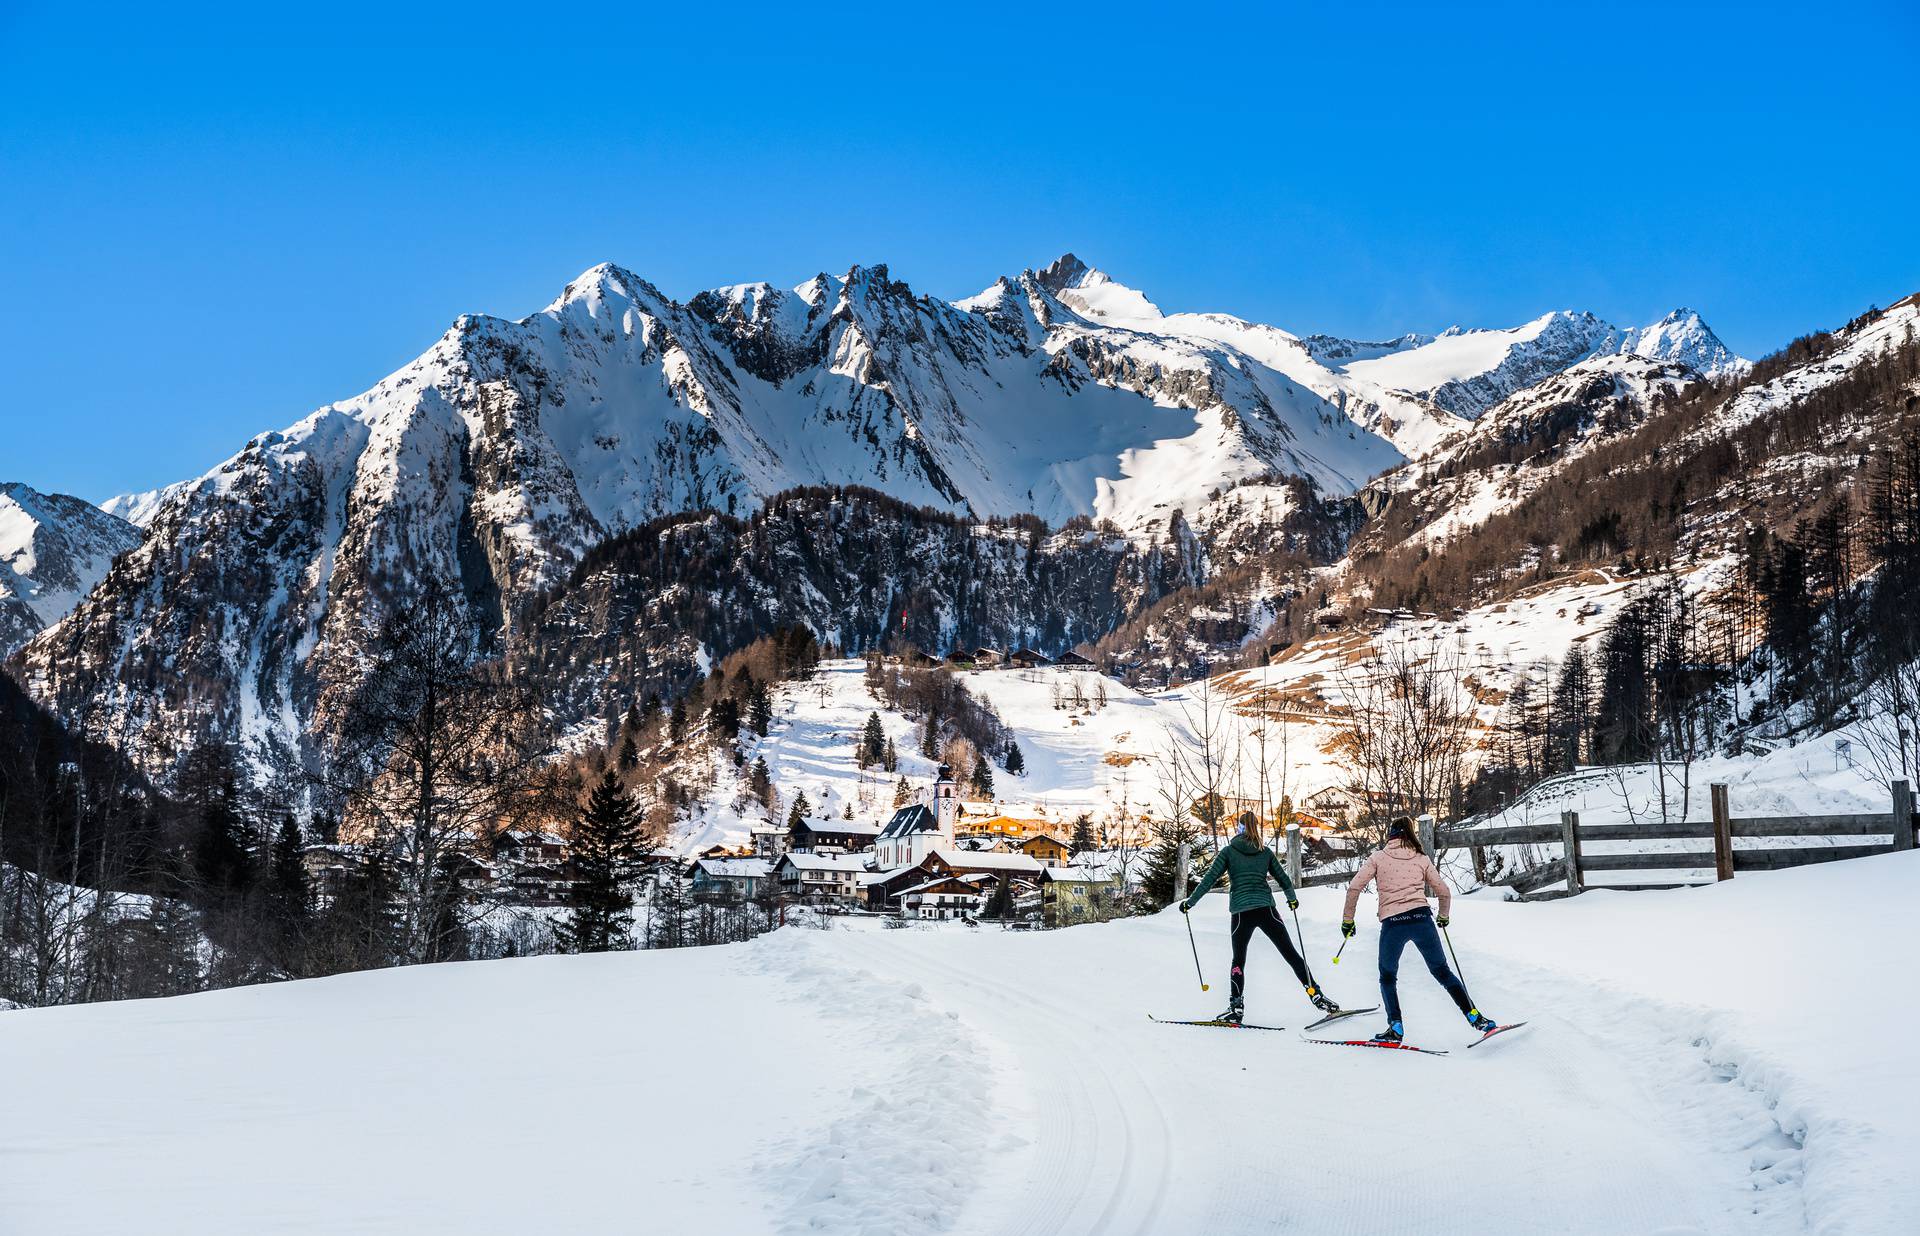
(851, 828)
(975, 860)
(734, 868)
(910, 820)
(825, 862)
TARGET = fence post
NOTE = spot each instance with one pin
(1293, 853)
(1722, 835)
(1426, 832)
(1570, 839)
(1902, 816)
(1180, 872)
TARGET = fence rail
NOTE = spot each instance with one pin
(1897, 825)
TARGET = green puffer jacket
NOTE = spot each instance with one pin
(1248, 867)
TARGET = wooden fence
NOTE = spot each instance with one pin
(1574, 864)
(1719, 832)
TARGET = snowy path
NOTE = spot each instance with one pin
(980, 1082)
(1136, 1127)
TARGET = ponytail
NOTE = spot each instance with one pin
(1250, 825)
(1402, 827)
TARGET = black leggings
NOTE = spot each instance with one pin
(1267, 919)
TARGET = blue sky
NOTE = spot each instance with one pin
(212, 223)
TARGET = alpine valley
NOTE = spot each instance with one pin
(621, 489)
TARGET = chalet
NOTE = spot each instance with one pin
(819, 878)
(769, 842)
(1072, 661)
(1070, 894)
(961, 659)
(1049, 851)
(729, 879)
(832, 836)
(330, 866)
(961, 862)
(1027, 658)
(944, 897)
(987, 658)
(537, 884)
(529, 847)
(473, 877)
(989, 821)
(881, 889)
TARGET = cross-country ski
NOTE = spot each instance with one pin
(1212, 1021)
(1512, 1025)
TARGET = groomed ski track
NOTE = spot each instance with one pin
(1136, 1128)
(985, 1082)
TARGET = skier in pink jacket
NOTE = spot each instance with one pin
(1401, 874)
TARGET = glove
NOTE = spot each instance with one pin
(1443, 920)
(1347, 929)
(1292, 904)
(1184, 907)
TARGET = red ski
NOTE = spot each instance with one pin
(1512, 1025)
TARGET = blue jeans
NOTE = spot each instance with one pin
(1414, 927)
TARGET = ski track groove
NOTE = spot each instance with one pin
(1095, 1129)
(1069, 1157)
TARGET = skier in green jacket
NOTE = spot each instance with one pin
(1247, 861)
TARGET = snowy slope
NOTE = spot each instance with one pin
(53, 550)
(1087, 759)
(949, 1080)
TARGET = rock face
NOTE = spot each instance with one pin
(648, 609)
(492, 466)
(53, 550)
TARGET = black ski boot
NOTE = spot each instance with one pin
(1321, 1002)
(1235, 1011)
(1481, 1022)
(1390, 1035)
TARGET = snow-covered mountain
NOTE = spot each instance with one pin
(491, 465)
(53, 549)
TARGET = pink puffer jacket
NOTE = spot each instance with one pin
(1403, 876)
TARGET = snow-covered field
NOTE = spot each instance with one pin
(1701, 1061)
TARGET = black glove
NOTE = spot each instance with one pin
(1184, 907)
(1443, 920)
(1293, 903)
(1347, 929)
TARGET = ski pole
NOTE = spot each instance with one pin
(1303, 948)
(1342, 949)
(1196, 953)
(1456, 960)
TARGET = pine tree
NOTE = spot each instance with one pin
(223, 844)
(982, 780)
(902, 793)
(873, 742)
(930, 738)
(288, 898)
(1570, 712)
(1082, 833)
(760, 781)
(1159, 883)
(1016, 762)
(800, 811)
(677, 720)
(760, 709)
(890, 758)
(606, 854)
